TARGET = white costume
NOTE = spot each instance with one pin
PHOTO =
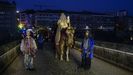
(28, 47)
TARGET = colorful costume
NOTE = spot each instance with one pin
(29, 48)
(87, 52)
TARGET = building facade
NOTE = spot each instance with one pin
(7, 19)
(79, 20)
(93, 21)
(46, 19)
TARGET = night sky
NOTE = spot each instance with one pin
(78, 5)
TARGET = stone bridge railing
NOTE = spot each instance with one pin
(116, 46)
(8, 55)
(117, 57)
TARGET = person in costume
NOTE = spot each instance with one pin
(87, 47)
(28, 47)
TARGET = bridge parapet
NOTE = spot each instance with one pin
(117, 46)
(117, 57)
(8, 55)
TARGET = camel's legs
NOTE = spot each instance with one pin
(62, 51)
(67, 54)
(57, 51)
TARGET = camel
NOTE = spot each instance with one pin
(63, 35)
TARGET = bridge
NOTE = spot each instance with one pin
(46, 64)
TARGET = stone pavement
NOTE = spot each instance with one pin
(46, 64)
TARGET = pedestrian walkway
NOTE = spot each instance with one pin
(46, 64)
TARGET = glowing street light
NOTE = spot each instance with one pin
(17, 11)
(20, 25)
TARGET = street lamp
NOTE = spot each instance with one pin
(17, 11)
